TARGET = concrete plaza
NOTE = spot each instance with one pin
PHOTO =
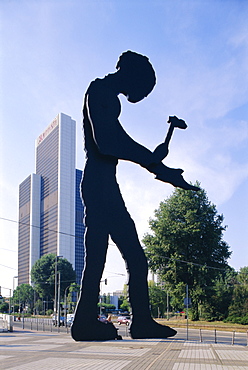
(34, 350)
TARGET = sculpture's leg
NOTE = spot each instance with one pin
(143, 326)
(86, 326)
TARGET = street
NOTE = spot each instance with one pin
(195, 335)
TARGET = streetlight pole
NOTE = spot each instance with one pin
(65, 307)
(14, 277)
(59, 299)
(9, 300)
(56, 286)
(167, 305)
(187, 309)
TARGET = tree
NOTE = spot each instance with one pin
(238, 309)
(218, 296)
(243, 276)
(73, 296)
(158, 299)
(24, 296)
(4, 307)
(43, 275)
(123, 300)
(106, 307)
(186, 245)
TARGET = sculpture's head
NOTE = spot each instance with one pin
(138, 75)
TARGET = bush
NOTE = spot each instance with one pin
(243, 320)
(4, 307)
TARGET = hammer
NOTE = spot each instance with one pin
(162, 150)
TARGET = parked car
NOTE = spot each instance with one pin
(102, 318)
(70, 318)
(124, 320)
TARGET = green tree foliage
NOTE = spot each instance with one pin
(106, 307)
(218, 297)
(24, 295)
(43, 275)
(72, 296)
(243, 276)
(123, 301)
(74, 287)
(177, 295)
(186, 240)
(124, 305)
(238, 309)
(158, 299)
(4, 307)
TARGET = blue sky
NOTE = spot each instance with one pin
(51, 50)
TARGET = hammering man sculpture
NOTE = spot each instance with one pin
(106, 142)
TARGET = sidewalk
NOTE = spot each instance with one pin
(42, 350)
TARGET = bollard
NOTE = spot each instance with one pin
(247, 338)
(200, 336)
(31, 325)
(233, 336)
(215, 337)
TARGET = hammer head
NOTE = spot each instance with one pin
(176, 122)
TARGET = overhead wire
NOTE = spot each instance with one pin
(81, 237)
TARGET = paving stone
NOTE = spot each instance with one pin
(38, 351)
(68, 363)
(112, 351)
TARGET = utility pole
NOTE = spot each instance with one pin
(65, 305)
(56, 287)
(14, 277)
(59, 299)
(9, 301)
(187, 309)
(167, 305)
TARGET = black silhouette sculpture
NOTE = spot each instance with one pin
(105, 213)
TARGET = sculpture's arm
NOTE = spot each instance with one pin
(110, 137)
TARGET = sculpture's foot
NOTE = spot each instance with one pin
(93, 330)
(150, 329)
(174, 177)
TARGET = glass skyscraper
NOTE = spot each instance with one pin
(50, 206)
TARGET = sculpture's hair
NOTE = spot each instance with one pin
(138, 66)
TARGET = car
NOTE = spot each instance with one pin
(102, 318)
(69, 321)
(54, 320)
(126, 320)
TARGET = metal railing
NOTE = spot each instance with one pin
(193, 335)
(213, 336)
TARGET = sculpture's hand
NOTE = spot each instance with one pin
(156, 168)
(171, 175)
(160, 152)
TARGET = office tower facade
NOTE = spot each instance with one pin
(50, 207)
